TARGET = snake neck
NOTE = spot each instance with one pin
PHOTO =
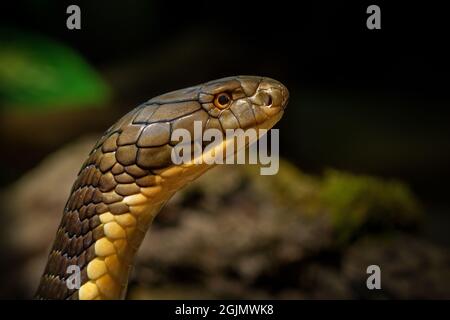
(103, 225)
(109, 271)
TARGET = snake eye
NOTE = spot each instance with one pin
(222, 100)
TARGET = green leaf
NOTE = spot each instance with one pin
(37, 73)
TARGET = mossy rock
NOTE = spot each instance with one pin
(359, 203)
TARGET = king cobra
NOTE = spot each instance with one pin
(129, 176)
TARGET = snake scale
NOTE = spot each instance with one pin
(129, 175)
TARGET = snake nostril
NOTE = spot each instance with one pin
(268, 101)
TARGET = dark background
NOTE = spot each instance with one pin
(372, 101)
(367, 101)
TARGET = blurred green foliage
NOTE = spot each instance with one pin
(37, 73)
(359, 202)
(354, 204)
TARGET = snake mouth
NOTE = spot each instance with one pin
(271, 97)
(211, 149)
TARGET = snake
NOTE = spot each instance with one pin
(129, 176)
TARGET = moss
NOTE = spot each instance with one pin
(355, 204)
(358, 203)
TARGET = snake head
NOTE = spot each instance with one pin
(228, 103)
(145, 135)
(243, 102)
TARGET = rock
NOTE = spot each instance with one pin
(410, 268)
(236, 234)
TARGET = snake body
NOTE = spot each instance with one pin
(129, 175)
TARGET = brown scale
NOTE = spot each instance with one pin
(124, 178)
